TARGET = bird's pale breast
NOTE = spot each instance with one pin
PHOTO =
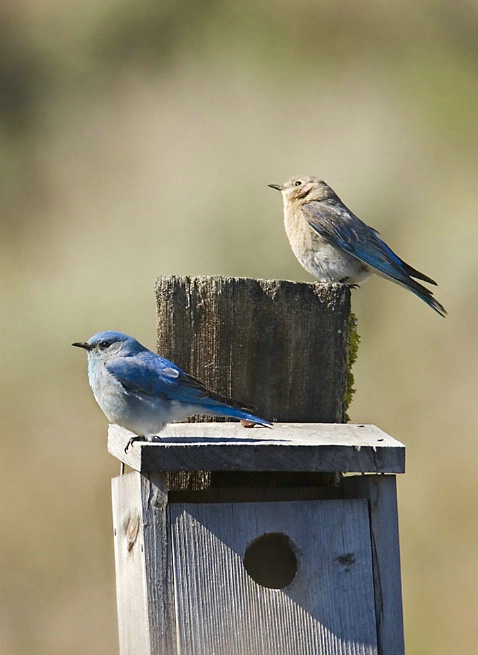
(319, 258)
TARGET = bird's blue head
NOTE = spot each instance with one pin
(106, 344)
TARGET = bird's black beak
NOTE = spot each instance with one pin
(83, 344)
(278, 187)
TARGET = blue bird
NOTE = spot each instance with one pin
(142, 391)
(334, 245)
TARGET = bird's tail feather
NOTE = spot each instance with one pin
(233, 412)
(412, 272)
(422, 292)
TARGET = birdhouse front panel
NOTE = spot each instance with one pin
(291, 578)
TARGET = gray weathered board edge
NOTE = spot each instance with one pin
(143, 565)
(382, 454)
(381, 493)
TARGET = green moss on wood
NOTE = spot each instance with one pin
(352, 352)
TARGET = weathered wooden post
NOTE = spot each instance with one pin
(241, 541)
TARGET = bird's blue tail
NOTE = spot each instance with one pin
(422, 292)
(233, 412)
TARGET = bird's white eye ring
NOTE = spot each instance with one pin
(298, 183)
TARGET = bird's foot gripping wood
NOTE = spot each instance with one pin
(132, 441)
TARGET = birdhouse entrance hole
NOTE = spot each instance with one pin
(271, 560)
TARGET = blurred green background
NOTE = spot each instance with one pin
(137, 139)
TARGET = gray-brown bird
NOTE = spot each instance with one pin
(334, 245)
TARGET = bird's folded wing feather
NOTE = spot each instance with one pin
(154, 375)
(349, 233)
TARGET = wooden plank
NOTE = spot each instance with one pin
(381, 493)
(287, 447)
(328, 607)
(129, 565)
(279, 345)
(146, 617)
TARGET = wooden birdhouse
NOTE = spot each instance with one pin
(234, 541)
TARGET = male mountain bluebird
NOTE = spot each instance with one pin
(334, 245)
(142, 391)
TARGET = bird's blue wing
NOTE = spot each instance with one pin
(154, 375)
(150, 374)
(135, 374)
(338, 226)
(346, 231)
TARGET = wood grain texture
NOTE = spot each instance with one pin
(279, 345)
(287, 447)
(144, 587)
(327, 609)
(381, 493)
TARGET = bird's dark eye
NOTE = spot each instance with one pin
(298, 183)
(104, 345)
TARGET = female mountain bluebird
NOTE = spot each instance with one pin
(142, 391)
(334, 245)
